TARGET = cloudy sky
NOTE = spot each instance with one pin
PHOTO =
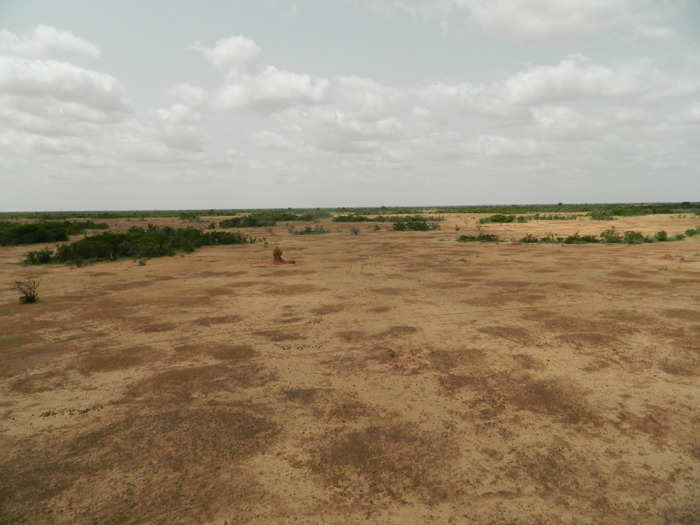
(271, 103)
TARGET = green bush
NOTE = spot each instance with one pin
(529, 238)
(499, 218)
(611, 235)
(413, 223)
(13, 233)
(661, 236)
(247, 221)
(137, 242)
(601, 215)
(309, 231)
(482, 237)
(632, 237)
(580, 239)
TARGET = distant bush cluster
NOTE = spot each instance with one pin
(482, 237)
(415, 223)
(14, 233)
(137, 242)
(362, 218)
(266, 218)
(609, 236)
(500, 218)
(319, 230)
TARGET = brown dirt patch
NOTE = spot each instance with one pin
(505, 299)
(390, 291)
(190, 383)
(353, 336)
(529, 362)
(681, 366)
(328, 309)
(514, 334)
(157, 327)
(231, 352)
(293, 289)
(208, 274)
(109, 360)
(383, 464)
(279, 336)
(123, 472)
(216, 320)
(682, 314)
(591, 339)
(39, 382)
(448, 359)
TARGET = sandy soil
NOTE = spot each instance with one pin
(388, 377)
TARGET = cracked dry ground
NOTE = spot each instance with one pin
(384, 378)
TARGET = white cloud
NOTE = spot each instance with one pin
(46, 42)
(500, 146)
(270, 90)
(562, 122)
(541, 19)
(270, 139)
(61, 81)
(235, 51)
(189, 95)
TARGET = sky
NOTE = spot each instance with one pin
(174, 104)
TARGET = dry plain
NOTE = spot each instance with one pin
(386, 377)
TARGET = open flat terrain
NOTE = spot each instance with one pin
(386, 377)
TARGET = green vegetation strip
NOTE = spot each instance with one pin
(270, 218)
(137, 242)
(15, 233)
(610, 236)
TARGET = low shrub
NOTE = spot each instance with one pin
(309, 231)
(500, 218)
(601, 215)
(550, 217)
(611, 235)
(529, 238)
(247, 221)
(632, 237)
(414, 223)
(136, 242)
(482, 237)
(661, 236)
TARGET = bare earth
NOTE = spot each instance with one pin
(388, 377)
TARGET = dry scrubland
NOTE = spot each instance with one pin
(386, 377)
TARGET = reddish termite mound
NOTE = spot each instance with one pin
(277, 257)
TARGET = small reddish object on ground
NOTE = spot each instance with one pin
(277, 257)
